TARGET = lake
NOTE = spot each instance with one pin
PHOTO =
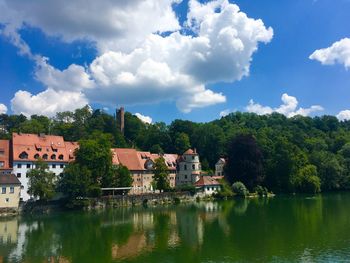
(281, 229)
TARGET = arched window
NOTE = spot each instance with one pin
(45, 156)
(36, 156)
(23, 155)
(53, 157)
(60, 157)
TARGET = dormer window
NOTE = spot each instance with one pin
(45, 156)
(23, 155)
(36, 156)
(53, 157)
(60, 157)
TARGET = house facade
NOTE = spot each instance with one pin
(220, 167)
(10, 188)
(207, 185)
(141, 167)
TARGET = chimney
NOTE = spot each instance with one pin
(120, 119)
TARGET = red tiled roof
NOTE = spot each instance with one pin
(135, 160)
(5, 153)
(9, 179)
(34, 146)
(190, 152)
(206, 180)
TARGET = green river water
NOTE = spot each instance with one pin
(281, 229)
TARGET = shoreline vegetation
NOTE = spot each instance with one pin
(264, 154)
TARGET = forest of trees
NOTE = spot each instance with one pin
(292, 152)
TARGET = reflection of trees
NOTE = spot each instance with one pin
(252, 230)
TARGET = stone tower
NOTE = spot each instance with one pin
(120, 119)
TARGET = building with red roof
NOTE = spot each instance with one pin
(26, 149)
(207, 185)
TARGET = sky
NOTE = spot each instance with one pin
(171, 59)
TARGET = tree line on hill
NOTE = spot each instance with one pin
(298, 154)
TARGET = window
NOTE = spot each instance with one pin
(19, 165)
(45, 156)
(2, 164)
(185, 167)
(3, 190)
(36, 156)
(12, 189)
(23, 155)
(192, 157)
(193, 167)
(28, 165)
(185, 176)
(8, 200)
(19, 175)
(60, 157)
(53, 157)
(2, 152)
(54, 166)
(61, 166)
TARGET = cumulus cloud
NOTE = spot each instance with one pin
(111, 25)
(3, 108)
(344, 115)
(47, 102)
(289, 107)
(339, 52)
(143, 118)
(136, 64)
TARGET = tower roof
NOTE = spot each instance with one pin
(191, 152)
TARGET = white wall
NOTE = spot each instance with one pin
(24, 179)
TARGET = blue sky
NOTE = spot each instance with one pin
(280, 65)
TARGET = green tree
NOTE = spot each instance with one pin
(76, 181)
(244, 162)
(95, 154)
(181, 143)
(307, 180)
(122, 177)
(41, 181)
(161, 173)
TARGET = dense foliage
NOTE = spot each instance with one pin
(287, 145)
(41, 181)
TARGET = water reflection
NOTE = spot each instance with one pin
(282, 229)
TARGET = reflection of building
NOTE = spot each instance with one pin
(219, 167)
(189, 168)
(8, 231)
(10, 188)
(133, 247)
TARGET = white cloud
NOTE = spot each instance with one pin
(136, 65)
(339, 52)
(225, 113)
(112, 25)
(3, 108)
(289, 107)
(344, 115)
(72, 78)
(143, 118)
(47, 102)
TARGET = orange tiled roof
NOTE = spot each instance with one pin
(5, 153)
(190, 152)
(32, 146)
(135, 160)
(206, 180)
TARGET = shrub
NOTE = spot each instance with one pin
(239, 189)
(187, 188)
(225, 190)
(307, 180)
(261, 191)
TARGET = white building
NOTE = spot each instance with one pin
(188, 168)
(28, 148)
(219, 167)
